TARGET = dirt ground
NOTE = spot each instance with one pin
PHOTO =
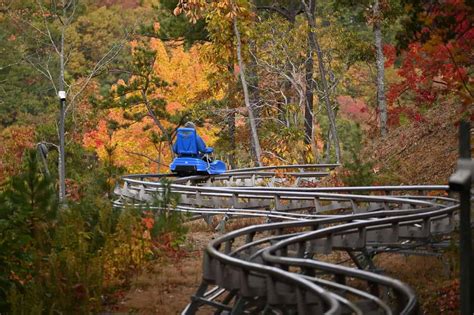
(168, 286)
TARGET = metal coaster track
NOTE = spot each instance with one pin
(281, 266)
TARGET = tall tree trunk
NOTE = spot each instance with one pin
(157, 122)
(314, 145)
(231, 124)
(382, 106)
(313, 41)
(309, 69)
(253, 126)
(309, 93)
(254, 91)
(62, 118)
(328, 147)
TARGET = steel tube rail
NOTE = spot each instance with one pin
(279, 167)
(269, 255)
(273, 267)
(247, 193)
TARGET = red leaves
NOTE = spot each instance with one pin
(418, 117)
(166, 245)
(440, 65)
(390, 54)
(355, 109)
(448, 300)
(148, 221)
(397, 114)
(97, 138)
(73, 190)
(14, 140)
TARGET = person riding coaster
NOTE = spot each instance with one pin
(193, 154)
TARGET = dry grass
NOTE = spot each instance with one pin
(165, 290)
(167, 287)
(419, 153)
(236, 224)
(198, 226)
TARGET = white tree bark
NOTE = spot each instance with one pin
(381, 102)
(253, 125)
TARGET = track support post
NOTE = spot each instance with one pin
(461, 181)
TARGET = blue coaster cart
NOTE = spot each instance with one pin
(193, 156)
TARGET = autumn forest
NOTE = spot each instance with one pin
(93, 90)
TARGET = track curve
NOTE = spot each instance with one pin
(285, 265)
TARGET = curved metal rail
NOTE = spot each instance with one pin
(283, 265)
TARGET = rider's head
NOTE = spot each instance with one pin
(190, 124)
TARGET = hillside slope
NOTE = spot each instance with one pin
(423, 152)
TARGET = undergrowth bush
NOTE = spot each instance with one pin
(64, 260)
(357, 172)
(128, 249)
(168, 224)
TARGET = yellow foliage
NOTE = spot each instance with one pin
(129, 249)
(131, 145)
(186, 73)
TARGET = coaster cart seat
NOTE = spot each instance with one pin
(193, 156)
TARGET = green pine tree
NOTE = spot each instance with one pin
(28, 209)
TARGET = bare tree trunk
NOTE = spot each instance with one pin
(382, 106)
(254, 91)
(309, 95)
(313, 41)
(62, 117)
(314, 145)
(253, 126)
(157, 122)
(231, 124)
(328, 147)
(159, 156)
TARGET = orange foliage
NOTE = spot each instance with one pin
(131, 145)
(148, 221)
(127, 147)
(14, 140)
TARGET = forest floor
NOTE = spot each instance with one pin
(167, 286)
(421, 153)
(424, 152)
